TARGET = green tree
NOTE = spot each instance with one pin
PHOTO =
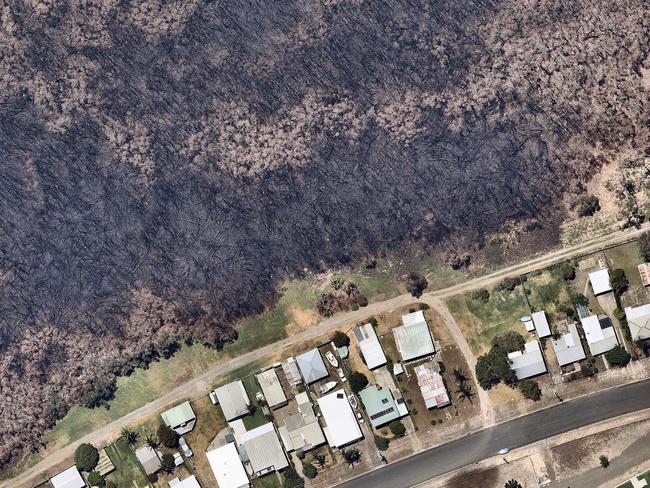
(130, 436)
(618, 280)
(530, 389)
(493, 368)
(507, 284)
(167, 436)
(381, 442)
(300, 454)
(587, 205)
(351, 456)
(513, 484)
(416, 283)
(482, 295)
(358, 381)
(465, 391)
(617, 356)
(167, 463)
(604, 461)
(340, 339)
(397, 428)
(86, 457)
(291, 479)
(309, 470)
(152, 442)
(95, 479)
(644, 245)
(567, 271)
(508, 341)
(580, 299)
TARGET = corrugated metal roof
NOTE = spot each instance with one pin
(271, 388)
(600, 334)
(233, 399)
(311, 366)
(529, 363)
(227, 467)
(568, 348)
(600, 281)
(341, 424)
(179, 415)
(264, 450)
(370, 346)
(541, 324)
(70, 478)
(413, 339)
(431, 386)
(638, 320)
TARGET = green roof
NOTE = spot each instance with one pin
(380, 405)
(179, 415)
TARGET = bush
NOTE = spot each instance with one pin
(152, 478)
(442, 367)
(358, 381)
(604, 461)
(352, 455)
(530, 389)
(481, 295)
(567, 271)
(300, 454)
(381, 442)
(423, 306)
(587, 369)
(580, 299)
(167, 463)
(167, 436)
(86, 457)
(416, 283)
(309, 470)
(340, 339)
(587, 205)
(397, 428)
(644, 245)
(617, 356)
(95, 479)
(619, 314)
(507, 284)
(618, 280)
(291, 479)
(509, 341)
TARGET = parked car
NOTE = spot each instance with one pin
(332, 359)
(213, 398)
(360, 417)
(342, 375)
(185, 447)
(353, 401)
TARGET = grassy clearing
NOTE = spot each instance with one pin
(547, 292)
(209, 421)
(268, 481)
(127, 469)
(626, 257)
(480, 322)
(257, 418)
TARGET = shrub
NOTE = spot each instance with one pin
(509, 341)
(86, 457)
(416, 283)
(95, 479)
(167, 463)
(167, 436)
(618, 281)
(567, 271)
(604, 461)
(300, 454)
(423, 306)
(530, 389)
(309, 470)
(644, 245)
(587, 369)
(512, 484)
(340, 339)
(291, 479)
(481, 295)
(152, 478)
(397, 428)
(587, 205)
(507, 284)
(358, 381)
(580, 299)
(381, 442)
(619, 314)
(617, 356)
(352, 455)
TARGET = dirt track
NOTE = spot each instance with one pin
(198, 386)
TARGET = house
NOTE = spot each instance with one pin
(568, 348)
(291, 372)
(600, 334)
(262, 449)
(370, 346)
(341, 424)
(600, 281)
(227, 467)
(644, 272)
(638, 320)
(301, 430)
(271, 388)
(431, 386)
(70, 478)
(149, 459)
(528, 363)
(380, 405)
(541, 324)
(413, 339)
(311, 366)
(233, 399)
(181, 418)
(190, 482)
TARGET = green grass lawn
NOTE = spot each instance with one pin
(645, 476)
(626, 257)
(128, 472)
(480, 322)
(257, 418)
(547, 292)
(269, 481)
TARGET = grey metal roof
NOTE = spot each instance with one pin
(311, 366)
(233, 399)
(264, 450)
(413, 339)
(600, 334)
(541, 324)
(529, 363)
(568, 348)
(271, 388)
(149, 459)
(370, 346)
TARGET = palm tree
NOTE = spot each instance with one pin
(320, 460)
(513, 484)
(465, 391)
(460, 376)
(131, 436)
(352, 456)
(152, 442)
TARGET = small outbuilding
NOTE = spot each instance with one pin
(233, 399)
(600, 281)
(413, 339)
(291, 371)
(311, 366)
(70, 478)
(644, 273)
(181, 418)
(149, 459)
(541, 324)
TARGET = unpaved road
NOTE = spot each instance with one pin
(198, 386)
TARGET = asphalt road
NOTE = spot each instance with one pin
(515, 433)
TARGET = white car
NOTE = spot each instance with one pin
(360, 417)
(342, 375)
(504, 451)
(185, 447)
(213, 398)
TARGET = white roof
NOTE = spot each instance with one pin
(541, 324)
(413, 339)
(568, 348)
(342, 427)
(530, 326)
(638, 320)
(264, 450)
(600, 335)
(233, 399)
(432, 386)
(190, 482)
(70, 478)
(529, 363)
(600, 281)
(227, 467)
(370, 347)
(271, 387)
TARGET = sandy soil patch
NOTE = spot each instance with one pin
(301, 319)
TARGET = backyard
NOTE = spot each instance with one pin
(127, 469)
